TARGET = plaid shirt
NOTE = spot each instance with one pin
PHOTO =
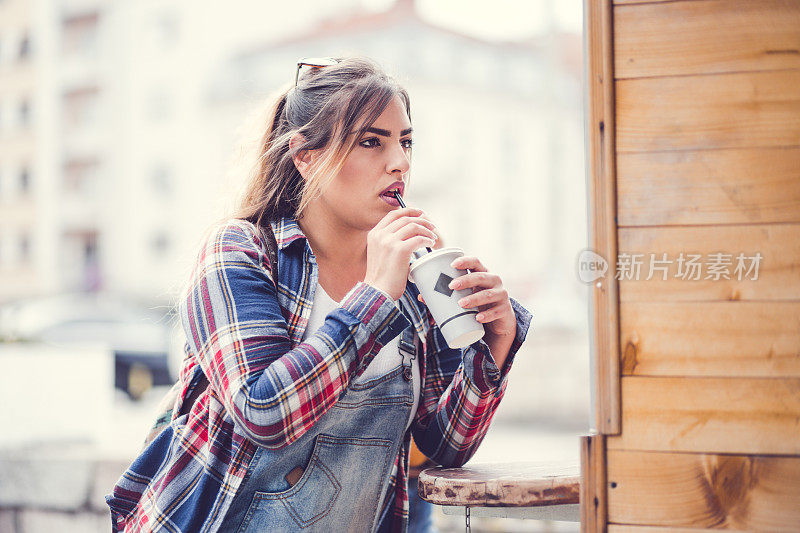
(268, 387)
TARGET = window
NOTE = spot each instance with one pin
(24, 180)
(80, 175)
(24, 248)
(79, 34)
(80, 251)
(162, 179)
(24, 47)
(90, 248)
(160, 245)
(24, 113)
(80, 106)
(165, 30)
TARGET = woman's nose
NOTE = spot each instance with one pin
(398, 160)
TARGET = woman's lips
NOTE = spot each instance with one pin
(396, 186)
(390, 199)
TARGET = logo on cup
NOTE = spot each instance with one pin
(442, 284)
(591, 266)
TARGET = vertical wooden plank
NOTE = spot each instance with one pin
(602, 214)
(593, 484)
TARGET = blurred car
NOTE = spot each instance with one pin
(177, 348)
(138, 337)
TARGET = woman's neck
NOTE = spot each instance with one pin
(333, 241)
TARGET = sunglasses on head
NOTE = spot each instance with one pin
(313, 62)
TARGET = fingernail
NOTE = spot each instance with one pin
(479, 316)
(453, 264)
(462, 302)
(453, 284)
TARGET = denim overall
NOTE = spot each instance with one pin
(346, 460)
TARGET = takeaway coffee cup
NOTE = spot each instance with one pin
(432, 274)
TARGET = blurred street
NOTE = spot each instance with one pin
(528, 427)
(125, 129)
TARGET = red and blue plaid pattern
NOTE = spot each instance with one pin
(268, 387)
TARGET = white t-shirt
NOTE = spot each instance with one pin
(386, 360)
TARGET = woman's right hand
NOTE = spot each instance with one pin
(389, 247)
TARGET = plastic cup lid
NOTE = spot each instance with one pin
(434, 254)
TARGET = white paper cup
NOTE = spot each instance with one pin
(432, 274)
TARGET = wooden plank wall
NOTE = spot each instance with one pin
(707, 145)
(602, 210)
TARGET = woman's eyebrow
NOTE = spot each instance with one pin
(387, 133)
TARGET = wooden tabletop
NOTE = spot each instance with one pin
(502, 484)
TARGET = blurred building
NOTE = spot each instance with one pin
(498, 159)
(120, 120)
(118, 124)
(56, 146)
(103, 170)
(21, 211)
(89, 114)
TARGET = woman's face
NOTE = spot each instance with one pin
(380, 161)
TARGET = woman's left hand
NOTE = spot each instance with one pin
(488, 295)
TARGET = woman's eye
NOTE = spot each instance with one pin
(407, 143)
(370, 143)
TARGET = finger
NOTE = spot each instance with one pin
(413, 229)
(439, 240)
(426, 217)
(491, 314)
(476, 279)
(415, 243)
(398, 224)
(484, 297)
(394, 214)
(468, 262)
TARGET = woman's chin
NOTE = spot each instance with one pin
(366, 217)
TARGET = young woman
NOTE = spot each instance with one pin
(318, 374)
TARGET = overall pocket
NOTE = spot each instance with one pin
(327, 492)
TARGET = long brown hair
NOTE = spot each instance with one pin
(331, 107)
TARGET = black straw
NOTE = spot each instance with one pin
(403, 204)
(399, 198)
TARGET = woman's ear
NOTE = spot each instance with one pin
(302, 159)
